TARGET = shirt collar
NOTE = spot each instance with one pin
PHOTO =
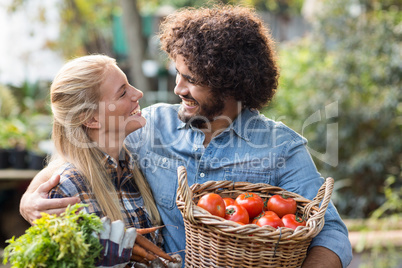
(239, 125)
(243, 122)
(124, 157)
(181, 125)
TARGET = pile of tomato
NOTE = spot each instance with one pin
(250, 208)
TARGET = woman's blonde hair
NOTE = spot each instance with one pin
(75, 97)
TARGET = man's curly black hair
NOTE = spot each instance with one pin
(226, 48)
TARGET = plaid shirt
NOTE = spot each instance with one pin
(131, 202)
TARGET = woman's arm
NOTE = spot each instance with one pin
(35, 200)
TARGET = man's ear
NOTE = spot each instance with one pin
(92, 123)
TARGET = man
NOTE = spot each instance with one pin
(226, 71)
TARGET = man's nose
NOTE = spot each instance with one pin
(181, 87)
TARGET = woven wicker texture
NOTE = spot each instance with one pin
(212, 241)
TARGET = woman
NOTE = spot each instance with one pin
(94, 109)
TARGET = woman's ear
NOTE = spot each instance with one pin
(92, 123)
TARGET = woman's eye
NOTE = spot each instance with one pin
(124, 93)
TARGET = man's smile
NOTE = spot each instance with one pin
(190, 103)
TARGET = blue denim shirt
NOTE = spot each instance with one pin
(253, 148)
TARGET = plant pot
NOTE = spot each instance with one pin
(18, 158)
(36, 161)
(4, 158)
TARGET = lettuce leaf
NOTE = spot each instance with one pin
(68, 240)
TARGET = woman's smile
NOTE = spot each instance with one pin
(136, 111)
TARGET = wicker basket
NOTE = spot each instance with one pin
(212, 241)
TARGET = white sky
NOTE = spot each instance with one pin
(22, 40)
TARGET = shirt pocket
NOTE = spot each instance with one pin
(161, 174)
(252, 176)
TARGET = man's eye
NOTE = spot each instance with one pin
(124, 93)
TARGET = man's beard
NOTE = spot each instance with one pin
(207, 113)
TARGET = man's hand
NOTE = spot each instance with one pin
(319, 257)
(34, 203)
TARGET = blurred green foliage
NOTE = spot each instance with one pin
(353, 59)
(381, 257)
(388, 217)
(24, 132)
(393, 203)
(274, 6)
(8, 103)
(12, 133)
(85, 25)
(24, 116)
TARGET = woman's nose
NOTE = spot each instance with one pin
(137, 94)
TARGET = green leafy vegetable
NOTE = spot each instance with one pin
(65, 241)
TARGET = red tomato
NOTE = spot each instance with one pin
(270, 218)
(252, 202)
(237, 213)
(228, 201)
(292, 221)
(282, 205)
(258, 217)
(267, 213)
(213, 203)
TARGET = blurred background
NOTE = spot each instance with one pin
(340, 87)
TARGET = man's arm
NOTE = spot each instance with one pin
(301, 176)
(319, 257)
(35, 200)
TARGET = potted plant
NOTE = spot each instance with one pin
(37, 156)
(36, 136)
(16, 131)
(5, 145)
(8, 108)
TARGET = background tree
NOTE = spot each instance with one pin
(353, 57)
(135, 41)
(86, 27)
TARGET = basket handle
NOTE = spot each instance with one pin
(185, 194)
(324, 194)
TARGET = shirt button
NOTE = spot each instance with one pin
(202, 175)
(164, 160)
